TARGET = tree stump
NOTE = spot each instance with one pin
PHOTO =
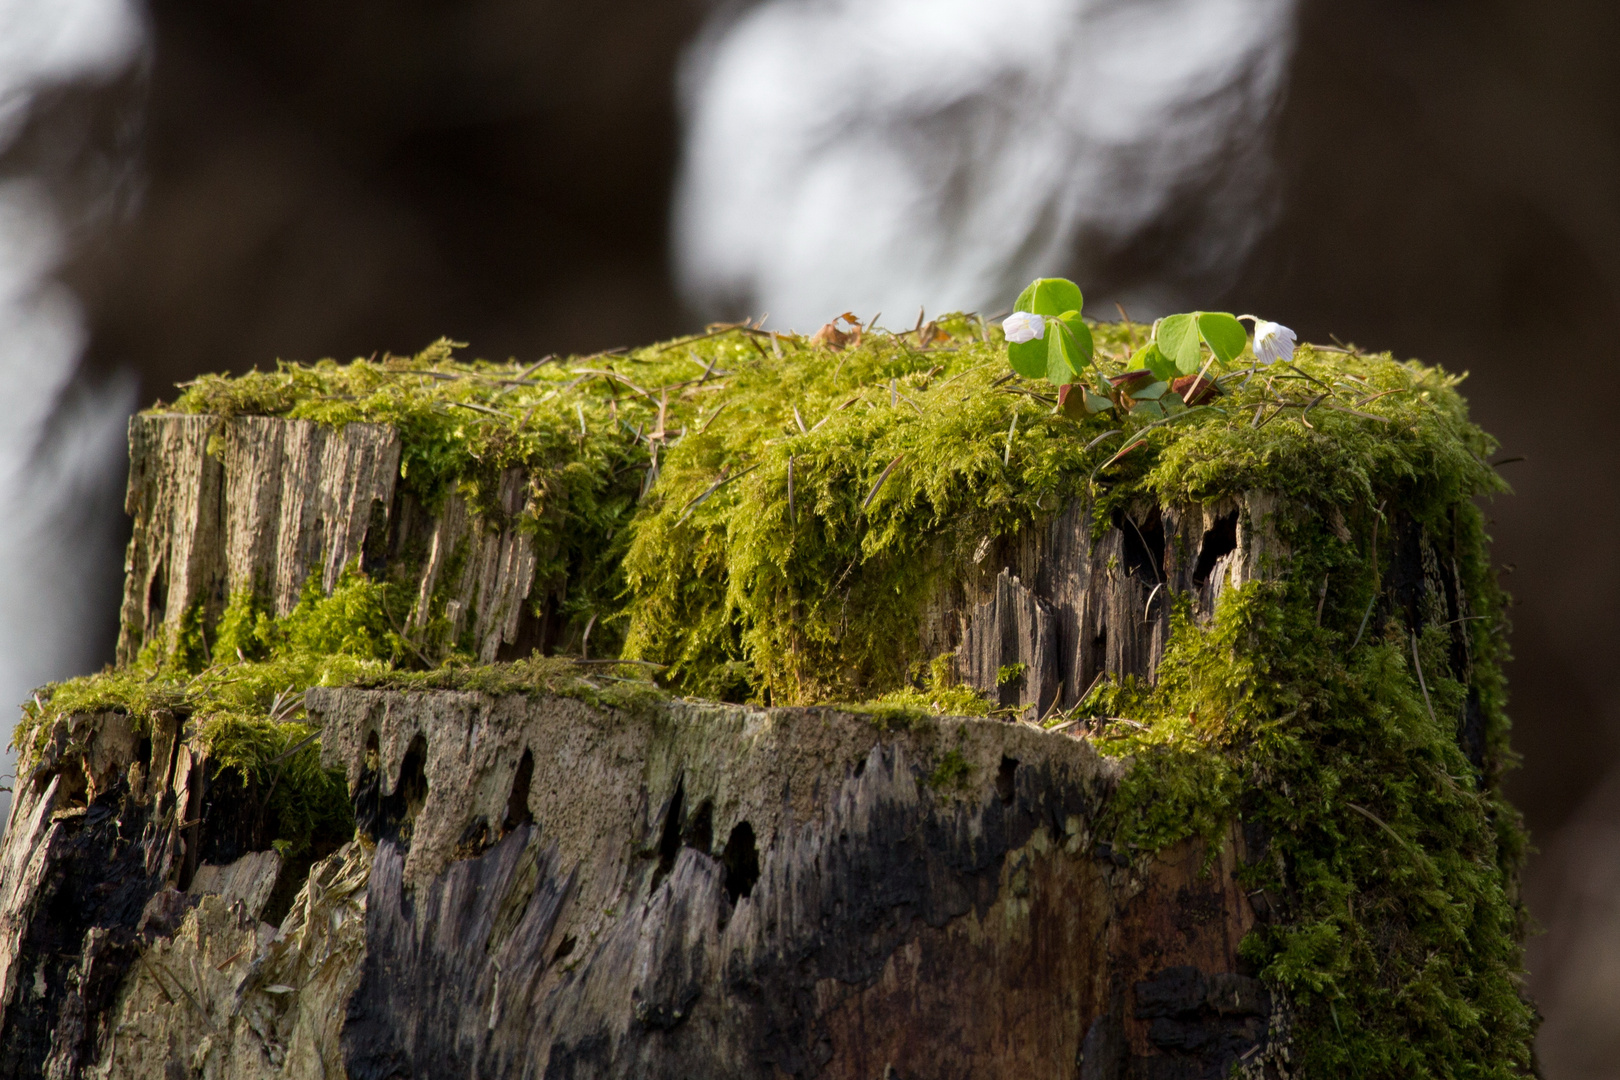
(559, 870)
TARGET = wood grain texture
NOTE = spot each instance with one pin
(1065, 602)
(894, 928)
(263, 504)
(548, 888)
(545, 888)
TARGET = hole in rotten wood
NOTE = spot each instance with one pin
(517, 805)
(741, 860)
(412, 788)
(368, 793)
(1219, 541)
(157, 598)
(532, 635)
(669, 839)
(398, 811)
(374, 548)
(1144, 545)
(699, 832)
(1006, 780)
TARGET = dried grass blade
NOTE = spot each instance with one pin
(616, 377)
(711, 419)
(481, 408)
(1424, 686)
(719, 483)
(879, 485)
(1358, 412)
(1092, 444)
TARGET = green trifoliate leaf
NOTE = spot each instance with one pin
(1050, 296)
(1223, 334)
(1068, 347)
(1151, 392)
(1028, 358)
(1075, 327)
(1178, 339)
(1096, 403)
(1149, 357)
(1061, 366)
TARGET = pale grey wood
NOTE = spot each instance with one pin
(262, 504)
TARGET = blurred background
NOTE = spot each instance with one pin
(204, 185)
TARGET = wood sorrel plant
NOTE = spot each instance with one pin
(1047, 338)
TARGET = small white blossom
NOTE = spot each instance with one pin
(1021, 326)
(1272, 342)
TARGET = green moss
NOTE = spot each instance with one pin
(952, 771)
(1394, 860)
(1297, 709)
(623, 685)
(244, 707)
(462, 425)
(242, 698)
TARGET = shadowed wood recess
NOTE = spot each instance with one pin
(569, 884)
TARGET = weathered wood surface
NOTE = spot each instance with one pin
(687, 890)
(550, 890)
(1069, 607)
(260, 504)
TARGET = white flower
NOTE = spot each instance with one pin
(1021, 326)
(1272, 342)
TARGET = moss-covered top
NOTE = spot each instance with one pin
(755, 516)
(665, 472)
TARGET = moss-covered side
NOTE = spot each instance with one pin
(663, 480)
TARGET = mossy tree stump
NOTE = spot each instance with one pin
(1229, 802)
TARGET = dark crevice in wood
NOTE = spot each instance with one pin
(367, 797)
(669, 838)
(698, 834)
(1143, 552)
(741, 861)
(517, 805)
(1219, 541)
(1007, 780)
(397, 812)
(374, 548)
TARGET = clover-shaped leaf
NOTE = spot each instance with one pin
(1180, 337)
(1046, 337)
(1069, 347)
(1150, 358)
(1050, 296)
(1177, 338)
(1223, 334)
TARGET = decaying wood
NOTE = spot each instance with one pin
(260, 504)
(1035, 619)
(685, 890)
(543, 888)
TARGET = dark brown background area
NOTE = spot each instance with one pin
(330, 179)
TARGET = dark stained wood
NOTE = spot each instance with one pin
(545, 888)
